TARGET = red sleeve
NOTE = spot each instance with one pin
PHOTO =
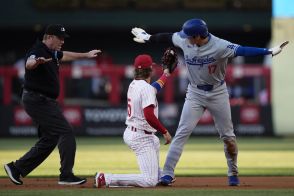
(152, 120)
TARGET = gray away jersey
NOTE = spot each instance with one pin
(206, 64)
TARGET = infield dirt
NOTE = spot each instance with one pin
(286, 182)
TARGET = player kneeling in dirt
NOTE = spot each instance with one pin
(142, 124)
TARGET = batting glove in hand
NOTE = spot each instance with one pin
(169, 60)
(277, 49)
(140, 35)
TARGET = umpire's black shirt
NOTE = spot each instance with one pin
(44, 79)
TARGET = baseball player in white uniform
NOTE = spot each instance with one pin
(206, 59)
(142, 123)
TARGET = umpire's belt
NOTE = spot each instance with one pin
(135, 130)
(38, 94)
(209, 87)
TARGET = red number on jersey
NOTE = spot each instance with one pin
(129, 107)
(211, 69)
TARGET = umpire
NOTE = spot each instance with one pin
(41, 88)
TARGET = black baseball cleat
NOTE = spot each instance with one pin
(71, 179)
(13, 173)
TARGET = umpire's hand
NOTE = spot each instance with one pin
(32, 63)
(41, 60)
(93, 53)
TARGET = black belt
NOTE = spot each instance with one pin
(208, 87)
(38, 94)
(146, 132)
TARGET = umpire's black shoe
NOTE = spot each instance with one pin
(13, 173)
(71, 179)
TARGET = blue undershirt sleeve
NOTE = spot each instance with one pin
(251, 51)
(156, 85)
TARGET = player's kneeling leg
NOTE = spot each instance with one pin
(151, 182)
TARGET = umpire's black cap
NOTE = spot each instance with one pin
(56, 29)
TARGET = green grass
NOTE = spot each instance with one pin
(201, 157)
(153, 192)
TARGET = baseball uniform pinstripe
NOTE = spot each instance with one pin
(146, 146)
(206, 58)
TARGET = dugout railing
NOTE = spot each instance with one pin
(116, 74)
(250, 116)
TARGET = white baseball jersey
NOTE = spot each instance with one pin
(145, 145)
(140, 95)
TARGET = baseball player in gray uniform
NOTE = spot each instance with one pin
(206, 58)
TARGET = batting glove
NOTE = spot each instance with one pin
(140, 35)
(277, 49)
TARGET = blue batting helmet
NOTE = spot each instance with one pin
(194, 27)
